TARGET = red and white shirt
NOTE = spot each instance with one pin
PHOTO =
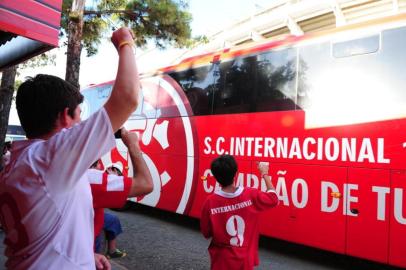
(231, 220)
(108, 191)
(45, 199)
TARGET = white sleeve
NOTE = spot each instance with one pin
(66, 156)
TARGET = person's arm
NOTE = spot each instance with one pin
(124, 96)
(101, 262)
(263, 168)
(268, 199)
(205, 227)
(142, 181)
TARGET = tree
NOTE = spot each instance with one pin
(75, 30)
(6, 96)
(164, 21)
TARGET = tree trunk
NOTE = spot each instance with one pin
(6, 96)
(75, 30)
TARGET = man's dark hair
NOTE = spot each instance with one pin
(41, 99)
(224, 169)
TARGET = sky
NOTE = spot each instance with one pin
(208, 16)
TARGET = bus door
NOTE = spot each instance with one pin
(367, 209)
(397, 236)
(311, 203)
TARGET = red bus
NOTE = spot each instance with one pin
(326, 109)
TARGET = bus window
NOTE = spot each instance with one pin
(138, 113)
(356, 47)
(103, 92)
(277, 80)
(15, 133)
(94, 99)
(353, 89)
(313, 59)
(198, 84)
(393, 67)
(235, 86)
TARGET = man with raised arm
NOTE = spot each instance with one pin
(45, 199)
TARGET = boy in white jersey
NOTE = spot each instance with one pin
(45, 199)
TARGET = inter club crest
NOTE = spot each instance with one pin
(168, 141)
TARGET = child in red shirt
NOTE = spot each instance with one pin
(230, 217)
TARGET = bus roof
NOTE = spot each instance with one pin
(273, 43)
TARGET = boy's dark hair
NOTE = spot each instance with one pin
(94, 164)
(224, 169)
(117, 170)
(41, 99)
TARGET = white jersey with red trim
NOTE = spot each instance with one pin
(231, 219)
(45, 198)
(108, 191)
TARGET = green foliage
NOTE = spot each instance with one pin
(17, 84)
(66, 6)
(41, 60)
(193, 42)
(164, 21)
(97, 25)
(93, 29)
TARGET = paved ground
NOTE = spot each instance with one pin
(157, 240)
(160, 240)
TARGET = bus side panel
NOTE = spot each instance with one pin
(167, 138)
(310, 210)
(222, 134)
(168, 179)
(164, 142)
(397, 237)
(206, 185)
(368, 216)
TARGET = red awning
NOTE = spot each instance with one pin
(27, 28)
